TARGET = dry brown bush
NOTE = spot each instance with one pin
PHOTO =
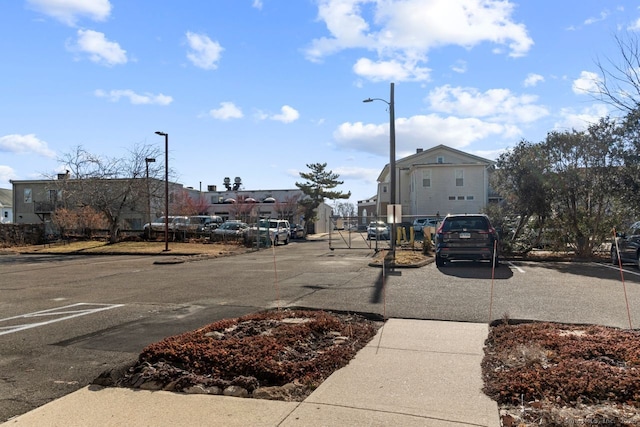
(591, 373)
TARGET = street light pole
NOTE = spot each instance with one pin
(148, 160)
(392, 159)
(166, 189)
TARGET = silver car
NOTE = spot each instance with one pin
(378, 230)
(236, 229)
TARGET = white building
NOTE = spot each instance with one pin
(6, 206)
(437, 182)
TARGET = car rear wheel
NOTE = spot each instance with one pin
(439, 261)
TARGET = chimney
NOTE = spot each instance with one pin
(419, 150)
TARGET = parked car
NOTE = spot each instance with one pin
(466, 237)
(279, 230)
(231, 229)
(378, 230)
(297, 231)
(202, 223)
(420, 223)
(176, 223)
(628, 245)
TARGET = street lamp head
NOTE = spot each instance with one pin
(161, 133)
(377, 99)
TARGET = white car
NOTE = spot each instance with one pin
(420, 223)
(378, 230)
(279, 230)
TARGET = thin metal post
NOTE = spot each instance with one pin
(392, 165)
(166, 189)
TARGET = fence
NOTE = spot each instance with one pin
(351, 233)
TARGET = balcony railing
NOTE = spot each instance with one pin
(46, 207)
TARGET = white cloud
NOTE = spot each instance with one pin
(587, 83)
(498, 105)
(25, 144)
(405, 31)
(287, 115)
(205, 53)
(459, 67)
(227, 111)
(418, 131)
(99, 49)
(390, 70)
(580, 120)
(7, 173)
(603, 15)
(134, 98)
(69, 11)
(635, 26)
(257, 4)
(367, 175)
(533, 79)
(460, 117)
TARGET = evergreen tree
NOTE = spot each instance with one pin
(318, 187)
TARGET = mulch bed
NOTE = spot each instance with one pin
(281, 354)
(563, 375)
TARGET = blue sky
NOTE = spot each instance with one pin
(260, 88)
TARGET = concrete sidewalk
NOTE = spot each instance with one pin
(413, 373)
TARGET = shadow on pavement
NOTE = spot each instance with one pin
(475, 270)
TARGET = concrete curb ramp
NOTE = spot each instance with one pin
(413, 373)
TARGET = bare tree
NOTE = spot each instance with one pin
(619, 81)
(289, 207)
(346, 209)
(111, 186)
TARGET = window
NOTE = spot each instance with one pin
(469, 197)
(440, 160)
(53, 195)
(459, 178)
(426, 178)
(384, 189)
(460, 197)
(452, 197)
(28, 198)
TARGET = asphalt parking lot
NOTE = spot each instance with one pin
(63, 320)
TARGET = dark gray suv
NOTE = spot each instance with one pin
(628, 245)
(466, 237)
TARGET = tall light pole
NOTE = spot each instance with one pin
(166, 188)
(392, 159)
(148, 160)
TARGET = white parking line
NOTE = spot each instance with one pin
(613, 267)
(66, 312)
(515, 266)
